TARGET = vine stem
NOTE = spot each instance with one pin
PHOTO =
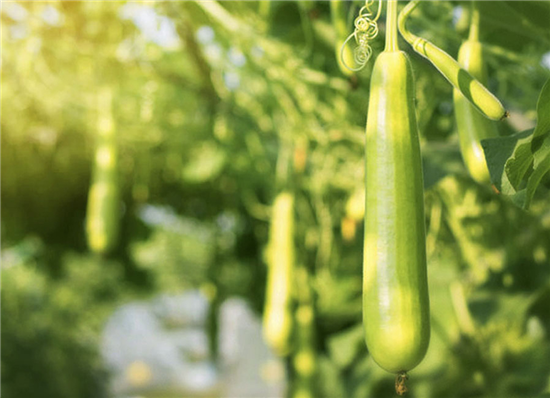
(403, 15)
(391, 26)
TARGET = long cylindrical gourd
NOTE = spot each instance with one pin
(277, 319)
(338, 16)
(103, 211)
(471, 125)
(395, 289)
(471, 88)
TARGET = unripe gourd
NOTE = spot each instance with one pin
(472, 89)
(395, 289)
(103, 211)
(471, 125)
(277, 319)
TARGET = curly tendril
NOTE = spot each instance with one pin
(366, 29)
(361, 55)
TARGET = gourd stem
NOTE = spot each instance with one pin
(391, 26)
(403, 15)
(474, 22)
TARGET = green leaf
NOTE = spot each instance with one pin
(518, 198)
(540, 145)
(543, 112)
(518, 163)
(535, 180)
(497, 152)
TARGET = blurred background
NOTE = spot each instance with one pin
(210, 109)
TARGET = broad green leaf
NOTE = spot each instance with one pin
(518, 163)
(497, 152)
(540, 145)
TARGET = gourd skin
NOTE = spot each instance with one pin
(472, 126)
(102, 216)
(277, 320)
(395, 290)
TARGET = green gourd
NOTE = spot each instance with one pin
(471, 125)
(396, 313)
(471, 88)
(103, 210)
(277, 319)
